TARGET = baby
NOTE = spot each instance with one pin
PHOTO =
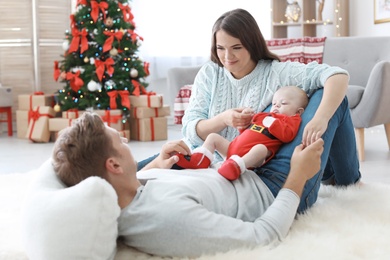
(256, 144)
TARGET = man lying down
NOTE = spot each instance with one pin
(184, 213)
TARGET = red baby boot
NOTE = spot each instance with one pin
(232, 168)
(201, 158)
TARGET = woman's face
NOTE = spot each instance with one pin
(233, 55)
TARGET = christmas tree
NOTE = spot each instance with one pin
(100, 66)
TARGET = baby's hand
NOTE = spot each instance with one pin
(248, 110)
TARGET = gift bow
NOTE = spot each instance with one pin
(125, 100)
(134, 35)
(75, 82)
(57, 71)
(34, 115)
(126, 11)
(81, 2)
(102, 65)
(95, 9)
(138, 89)
(77, 37)
(108, 43)
(108, 118)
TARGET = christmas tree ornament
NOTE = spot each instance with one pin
(109, 22)
(109, 85)
(95, 31)
(65, 45)
(113, 52)
(57, 108)
(63, 75)
(86, 59)
(92, 61)
(92, 86)
(133, 73)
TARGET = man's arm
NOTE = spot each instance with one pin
(167, 158)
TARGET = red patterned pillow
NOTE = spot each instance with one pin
(305, 50)
(181, 103)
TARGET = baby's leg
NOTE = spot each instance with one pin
(216, 142)
(256, 156)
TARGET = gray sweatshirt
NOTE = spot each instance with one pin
(189, 213)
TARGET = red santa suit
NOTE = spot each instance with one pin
(282, 130)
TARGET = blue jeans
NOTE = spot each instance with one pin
(339, 161)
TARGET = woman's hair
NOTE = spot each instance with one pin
(240, 24)
(82, 150)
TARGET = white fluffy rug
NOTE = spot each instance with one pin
(351, 223)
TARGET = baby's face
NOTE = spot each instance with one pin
(285, 102)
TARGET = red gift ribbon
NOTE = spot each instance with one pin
(77, 37)
(37, 93)
(95, 9)
(101, 66)
(108, 118)
(75, 82)
(134, 35)
(57, 71)
(34, 115)
(73, 110)
(110, 40)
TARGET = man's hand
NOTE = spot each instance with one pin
(167, 157)
(305, 163)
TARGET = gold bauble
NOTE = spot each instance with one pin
(109, 22)
(57, 108)
(113, 52)
(86, 59)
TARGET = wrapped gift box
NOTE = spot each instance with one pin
(149, 129)
(147, 101)
(113, 118)
(27, 102)
(38, 126)
(21, 123)
(146, 112)
(57, 124)
(72, 113)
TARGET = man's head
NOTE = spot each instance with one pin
(90, 148)
(289, 100)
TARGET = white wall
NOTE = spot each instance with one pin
(361, 20)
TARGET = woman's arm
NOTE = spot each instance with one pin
(335, 89)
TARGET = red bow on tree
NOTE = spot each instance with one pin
(81, 2)
(146, 68)
(133, 35)
(126, 11)
(95, 9)
(108, 43)
(72, 21)
(138, 89)
(77, 37)
(101, 66)
(57, 71)
(75, 82)
(124, 94)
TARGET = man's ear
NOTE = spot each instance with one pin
(113, 166)
(300, 111)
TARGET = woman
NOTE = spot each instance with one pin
(244, 73)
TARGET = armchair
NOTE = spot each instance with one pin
(367, 59)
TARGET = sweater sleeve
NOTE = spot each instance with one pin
(197, 231)
(199, 104)
(309, 77)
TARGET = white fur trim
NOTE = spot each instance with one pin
(239, 161)
(204, 151)
(268, 120)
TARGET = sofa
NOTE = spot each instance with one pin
(367, 59)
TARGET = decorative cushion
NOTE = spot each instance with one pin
(304, 50)
(181, 102)
(79, 222)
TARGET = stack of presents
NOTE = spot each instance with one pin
(38, 121)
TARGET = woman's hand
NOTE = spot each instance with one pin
(239, 118)
(314, 130)
(167, 157)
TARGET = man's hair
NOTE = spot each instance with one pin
(81, 150)
(240, 24)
